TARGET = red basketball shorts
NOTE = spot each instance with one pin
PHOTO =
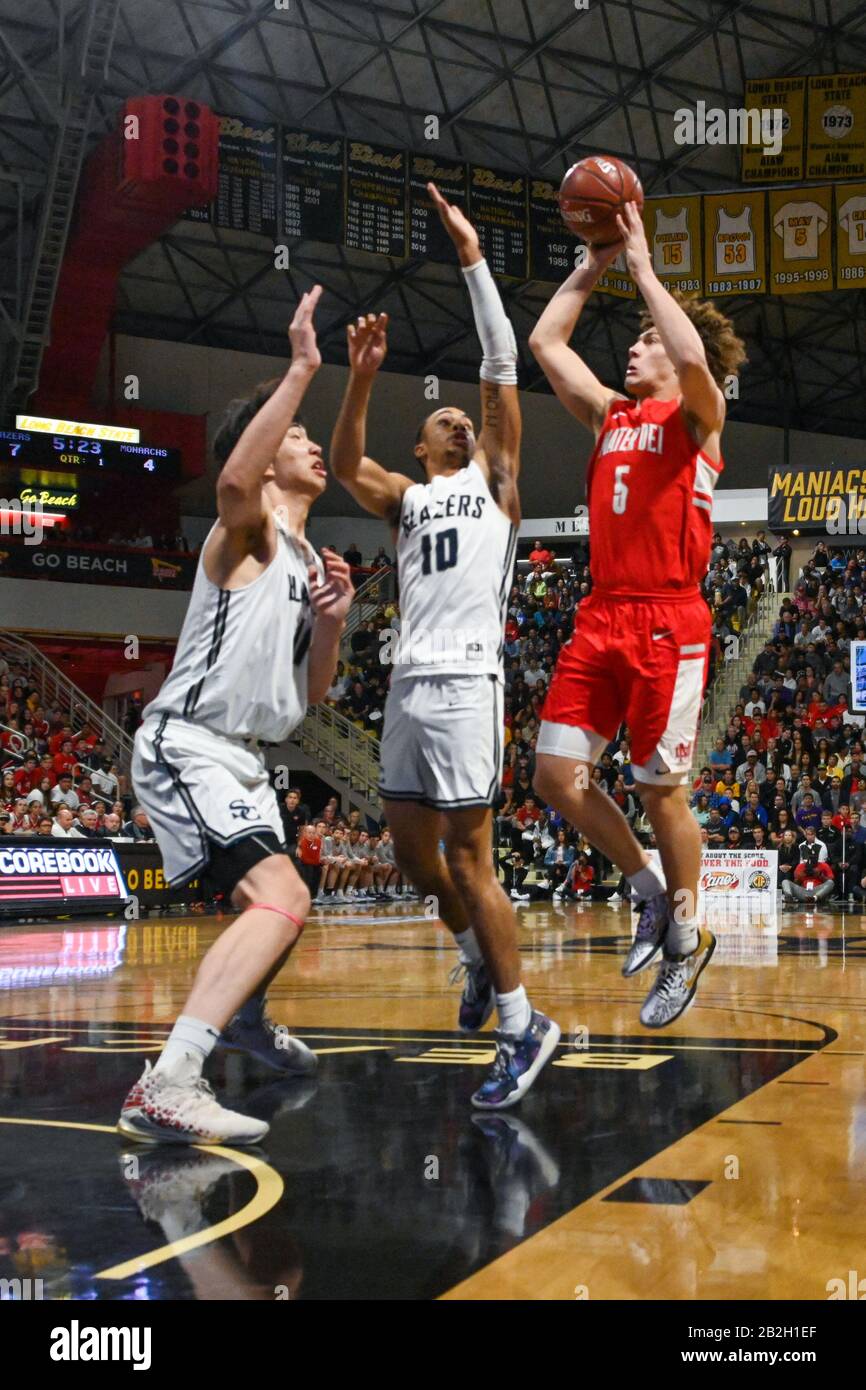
(642, 662)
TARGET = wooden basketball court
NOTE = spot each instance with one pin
(725, 1157)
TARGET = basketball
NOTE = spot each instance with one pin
(593, 192)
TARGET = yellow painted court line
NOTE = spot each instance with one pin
(328, 1051)
(269, 1190)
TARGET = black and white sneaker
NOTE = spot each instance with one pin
(652, 925)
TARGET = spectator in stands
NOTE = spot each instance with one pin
(353, 556)
(541, 555)
(527, 815)
(64, 793)
(5, 823)
(809, 815)
(559, 859)
(86, 825)
(138, 826)
(105, 780)
(45, 826)
(386, 873)
(735, 838)
(751, 769)
(112, 828)
(813, 877)
(63, 823)
(381, 561)
(294, 815)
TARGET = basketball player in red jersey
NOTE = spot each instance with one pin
(640, 649)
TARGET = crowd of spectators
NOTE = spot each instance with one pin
(67, 783)
(788, 771)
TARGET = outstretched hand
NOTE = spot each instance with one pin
(458, 227)
(332, 598)
(631, 227)
(368, 343)
(302, 331)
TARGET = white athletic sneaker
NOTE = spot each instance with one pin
(159, 1111)
(674, 987)
(339, 896)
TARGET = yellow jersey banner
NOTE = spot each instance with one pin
(673, 231)
(616, 280)
(800, 240)
(850, 229)
(836, 133)
(735, 245)
(815, 498)
(760, 163)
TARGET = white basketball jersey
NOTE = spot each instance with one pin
(672, 247)
(455, 553)
(735, 242)
(800, 226)
(852, 216)
(243, 654)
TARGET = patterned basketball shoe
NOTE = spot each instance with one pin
(518, 1062)
(675, 984)
(652, 924)
(270, 1043)
(159, 1111)
(478, 998)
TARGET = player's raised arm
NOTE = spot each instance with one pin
(377, 489)
(703, 401)
(576, 386)
(239, 489)
(499, 441)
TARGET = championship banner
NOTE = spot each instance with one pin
(788, 95)
(850, 228)
(801, 255)
(552, 245)
(812, 498)
(376, 199)
(93, 565)
(836, 131)
(314, 171)
(616, 280)
(427, 237)
(735, 247)
(497, 208)
(246, 198)
(61, 876)
(741, 873)
(673, 232)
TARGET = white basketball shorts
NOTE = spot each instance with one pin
(201, 790)
(442, 744)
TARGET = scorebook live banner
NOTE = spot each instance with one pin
(58, 875)
(813, 498)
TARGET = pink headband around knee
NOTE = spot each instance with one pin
(268, 907)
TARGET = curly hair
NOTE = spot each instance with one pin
(726, 353)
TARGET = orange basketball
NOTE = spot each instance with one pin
(593, 192)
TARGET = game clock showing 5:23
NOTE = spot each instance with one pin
(23, 448)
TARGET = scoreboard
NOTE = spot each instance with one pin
(32, 449)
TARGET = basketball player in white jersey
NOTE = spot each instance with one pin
(456, 535)
(259, 642)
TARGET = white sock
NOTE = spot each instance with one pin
(681, 937)
(514, 1012)
(647, 882)
(189, 1045)
(467, 945)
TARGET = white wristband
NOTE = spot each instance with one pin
(492, 324)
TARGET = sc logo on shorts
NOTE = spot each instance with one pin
(241, 811)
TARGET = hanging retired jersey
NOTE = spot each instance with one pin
(242, 658)
(455, 553)
(650, 495)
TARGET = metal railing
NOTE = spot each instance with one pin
(344, 749)
(378, 589)
(57, 692)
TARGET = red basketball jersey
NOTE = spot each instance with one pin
(650, 493)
